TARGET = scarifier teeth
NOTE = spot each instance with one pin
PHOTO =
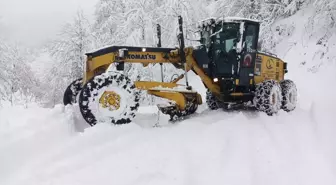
(175, 113)
(168, 109)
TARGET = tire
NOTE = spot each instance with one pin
(95, 99)
(212, 101)
(268, 97)
(72, 91)
(289, 95)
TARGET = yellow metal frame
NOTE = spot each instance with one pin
(147, 85)
(177, 97)
(93, 63)
(271, 68)
(156, 88)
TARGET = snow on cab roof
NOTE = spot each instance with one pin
(231, 19)
(211, 20)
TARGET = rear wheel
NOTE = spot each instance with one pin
(268, 97)
(110, 98)
(212, 101)
(289, 95)
(72, 91)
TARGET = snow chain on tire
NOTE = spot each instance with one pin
(99, 89)
(268, 97)
(72, 91)
(289, 95)
(212, 101)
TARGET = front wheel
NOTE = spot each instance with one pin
(268, 97)
(109, 97)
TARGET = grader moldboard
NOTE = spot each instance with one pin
(228, 62)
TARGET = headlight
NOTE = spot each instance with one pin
(215, 79)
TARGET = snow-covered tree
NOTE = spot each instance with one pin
(69, 49)
(17, 81)
(325, 13)
(68, 54)
(133, 22)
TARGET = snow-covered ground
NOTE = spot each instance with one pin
(41, 146)
(55, 147)
(49, 146)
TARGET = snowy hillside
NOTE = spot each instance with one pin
(41, 146)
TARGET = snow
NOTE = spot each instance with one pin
(211, 20)
(211, 148)
(240, 44)
(233, 19)
(206, 22)
(41, 146)
(53, 146)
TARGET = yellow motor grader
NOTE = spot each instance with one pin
(227, 61)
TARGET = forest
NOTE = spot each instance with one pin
(26, 77)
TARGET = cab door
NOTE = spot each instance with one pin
(248, 54)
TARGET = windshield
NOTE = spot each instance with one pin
(226, 37)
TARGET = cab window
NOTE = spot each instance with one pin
(251, 36)
(227, 36)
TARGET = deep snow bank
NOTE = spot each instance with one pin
(27, 134)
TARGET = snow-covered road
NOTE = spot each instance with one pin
(48, 146)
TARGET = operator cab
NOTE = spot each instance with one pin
(231, 46)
